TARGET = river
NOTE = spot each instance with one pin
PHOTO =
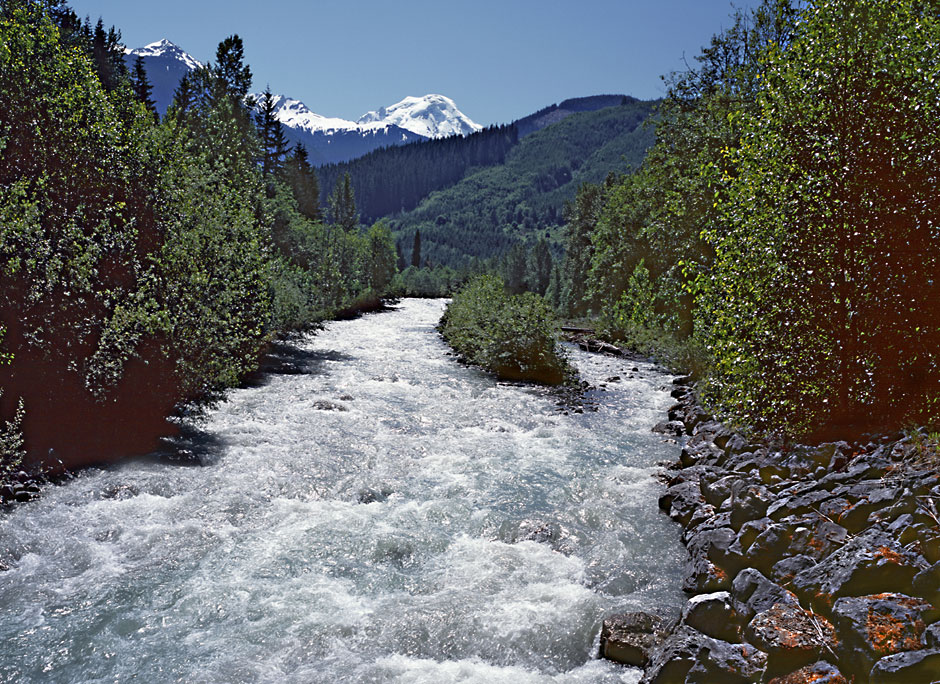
(384, 515)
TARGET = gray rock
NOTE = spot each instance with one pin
(758, 594)
(932, 636)
(689, 656)
(786, 569)
(714, 615)
(911, 667)
(629, 638)
(819, 672)
(872, 627)
(791, 636)
(872, 562)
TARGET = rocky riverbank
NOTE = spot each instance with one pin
(807, 563)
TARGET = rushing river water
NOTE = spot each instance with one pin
(387, 515)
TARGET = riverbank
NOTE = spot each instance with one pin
(807, 563)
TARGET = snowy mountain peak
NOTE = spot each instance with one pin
(433, 116)
(166, 49)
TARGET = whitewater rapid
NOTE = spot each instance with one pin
(380, 513)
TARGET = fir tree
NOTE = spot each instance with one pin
(230, 67)
(304, 183)
(273, 143)
(342, 205)
(416, 250)
(142, 87)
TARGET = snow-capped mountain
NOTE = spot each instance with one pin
(327, 139)
(166, 64)
(433, 116)
(331, 140)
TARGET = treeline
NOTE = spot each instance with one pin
(484, 214)
(395, 179)
(781, 236)
(146, 263)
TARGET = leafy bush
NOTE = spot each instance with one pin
(513, 336)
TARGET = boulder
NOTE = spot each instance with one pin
(680, 500)
(872, 562)
(756, 594)
(911, 667)
(819, 672)
(932, 636)
(629, 638)
(688, 656)
(927, 584)
(714, 615)
(711, 560)
(791, 636)
(872, 627)
(786, 569)
(749, 501)
(671, 427)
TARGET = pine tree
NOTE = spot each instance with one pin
(416, 250)
(273, 143)
(230, 67)
(142, 87)
(342, 205)
(514, 268)
(539, 267)
(304, 183)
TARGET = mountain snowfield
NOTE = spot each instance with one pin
(433, 116)
(327, 139)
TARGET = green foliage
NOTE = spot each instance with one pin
(490, 208)
(513, 336)
(136, 254)
(821, 310)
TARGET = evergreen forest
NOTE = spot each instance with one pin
(139, 253)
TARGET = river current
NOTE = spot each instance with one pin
(381, 514)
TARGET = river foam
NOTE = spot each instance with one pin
(386, 515)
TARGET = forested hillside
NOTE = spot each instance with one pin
(492, 208)
(144, 263)
(781, 237)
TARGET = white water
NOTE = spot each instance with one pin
(372, 544)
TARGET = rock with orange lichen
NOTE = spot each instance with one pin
(791, 636)
(879, 625)
(820, 672)
(872, 562)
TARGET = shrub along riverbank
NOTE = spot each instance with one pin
(145, 263)
(512, 336)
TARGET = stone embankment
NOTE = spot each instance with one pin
(807, 563)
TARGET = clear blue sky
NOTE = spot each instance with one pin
(497, 59)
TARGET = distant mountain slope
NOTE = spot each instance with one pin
(556, 112)
(328, 140)
(166, 64)
(489, 209)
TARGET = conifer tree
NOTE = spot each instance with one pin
(304, 183)
(342, 205)
(273, 143)
(416, 250)
(230, 66)
(142, 87)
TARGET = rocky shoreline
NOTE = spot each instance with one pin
(807, 563)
